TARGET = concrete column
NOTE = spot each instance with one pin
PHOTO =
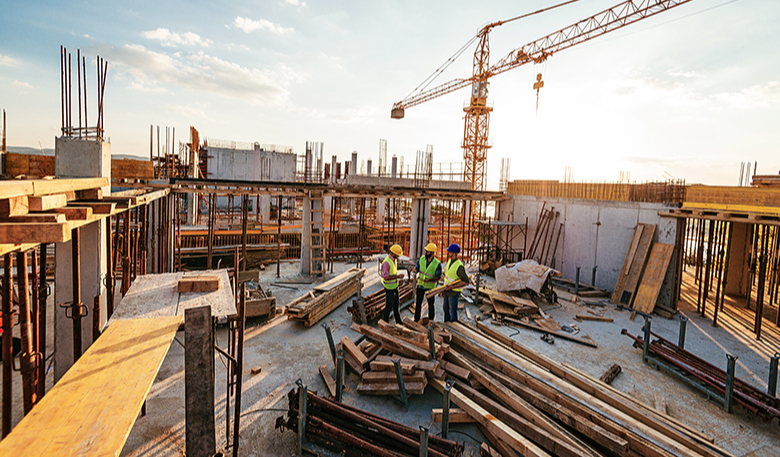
(394, 168)
(76, 158)
(368, 167)
(737, 281)
(421, 214)
(265, 208)
(306, 237)
(192, 208)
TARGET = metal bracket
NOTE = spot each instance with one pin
(772, 384)
(301, 415)
(445, 416)
(731, 373)
(70, 306)
(646, 342)
(339, 374)
(431, 342)
(331, 344)
(423, 441)
(683, 325)
(401, 386)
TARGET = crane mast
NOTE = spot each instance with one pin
(477, 114)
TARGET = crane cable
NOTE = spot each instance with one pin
(427, 81)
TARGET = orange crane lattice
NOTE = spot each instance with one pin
(477, 119)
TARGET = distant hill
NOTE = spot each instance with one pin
(50, 152)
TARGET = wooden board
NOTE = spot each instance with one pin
(31, 232)
(384, 377)
(330, 383)
(14, 206)
(457, 416)
(350, 347)
(412, 388)
(205, 283)
(406, 368)
(156, 295)
(92, 409)
(47, 202)
(633, 265)
(653, 278)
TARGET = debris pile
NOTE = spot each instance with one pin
(374, 303)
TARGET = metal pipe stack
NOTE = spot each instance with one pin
(352, 432)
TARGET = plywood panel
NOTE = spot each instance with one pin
(92, 409)
(653, 278)
(633, 265)
(131, 169)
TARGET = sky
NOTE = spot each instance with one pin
(687, 94)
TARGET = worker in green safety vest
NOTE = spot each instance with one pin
(454, 276)
(428, 270)
(390, 277)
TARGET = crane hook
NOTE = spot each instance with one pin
(538, 85)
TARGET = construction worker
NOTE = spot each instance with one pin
(428, 270)
(390, 277)
(455, 278)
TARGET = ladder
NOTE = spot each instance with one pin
(317, 247)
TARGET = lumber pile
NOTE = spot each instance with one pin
(539, 407)
(258, 302)
(408, 344)
(324, 298)
(346, 430)
(374, 304)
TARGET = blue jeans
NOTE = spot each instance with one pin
(451, 308)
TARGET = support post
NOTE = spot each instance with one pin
(331, 344)
(646, 341)
(772, 384)
(577, 282)
(301, 416)
(431, 342)
(199, 382)
(423, 441)
(339, 374)
(401, 386)
(27, 357)
(445, 416)
(681, 338)
(239, 367)
(43, 295)
(76, 305)
(8, 322)
(731, 373)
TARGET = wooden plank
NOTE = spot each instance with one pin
(455, 370)
(496, 427)
(406, 368)
(457, 416)
(335, 282)
(633, 265)
(589, 317)
(351, 362)
(39, 218)
(205, 283)
(222, 300)
(659, 401)
(330, 383)
(585, 339)
(200, 429)
(14, 206)
(653, 278)
(77, 420)
(401, 332)
(98, 208)
(412, 388)
(381, 377)
(47, 202)
(356, 353)
(30, 232)
(74, 213)
(429, 366)
(392, 343)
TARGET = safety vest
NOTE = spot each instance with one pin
(393, 283)
(427, 273)
(451, 273)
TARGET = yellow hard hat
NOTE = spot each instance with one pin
(397, 250)
(431, 247)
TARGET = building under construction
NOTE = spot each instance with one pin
(225, 298)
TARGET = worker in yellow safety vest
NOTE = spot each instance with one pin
(454, 278)
(428, 270)
(390, 277)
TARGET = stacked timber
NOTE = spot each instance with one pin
(408, 344)
(324, 298)
(350, 431)
(374, 304)
(539, 407)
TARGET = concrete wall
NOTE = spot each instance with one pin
(254, 165)
(595, 234)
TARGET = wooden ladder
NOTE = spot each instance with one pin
(317, 247)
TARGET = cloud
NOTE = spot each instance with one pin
(140, 87)
(250, 25)
(8, 61)
(196, 111)
(294, 3)
(757, 96)
(23, 85)
(201, 72)
(173, 39)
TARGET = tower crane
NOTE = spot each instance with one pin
(477, 119)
